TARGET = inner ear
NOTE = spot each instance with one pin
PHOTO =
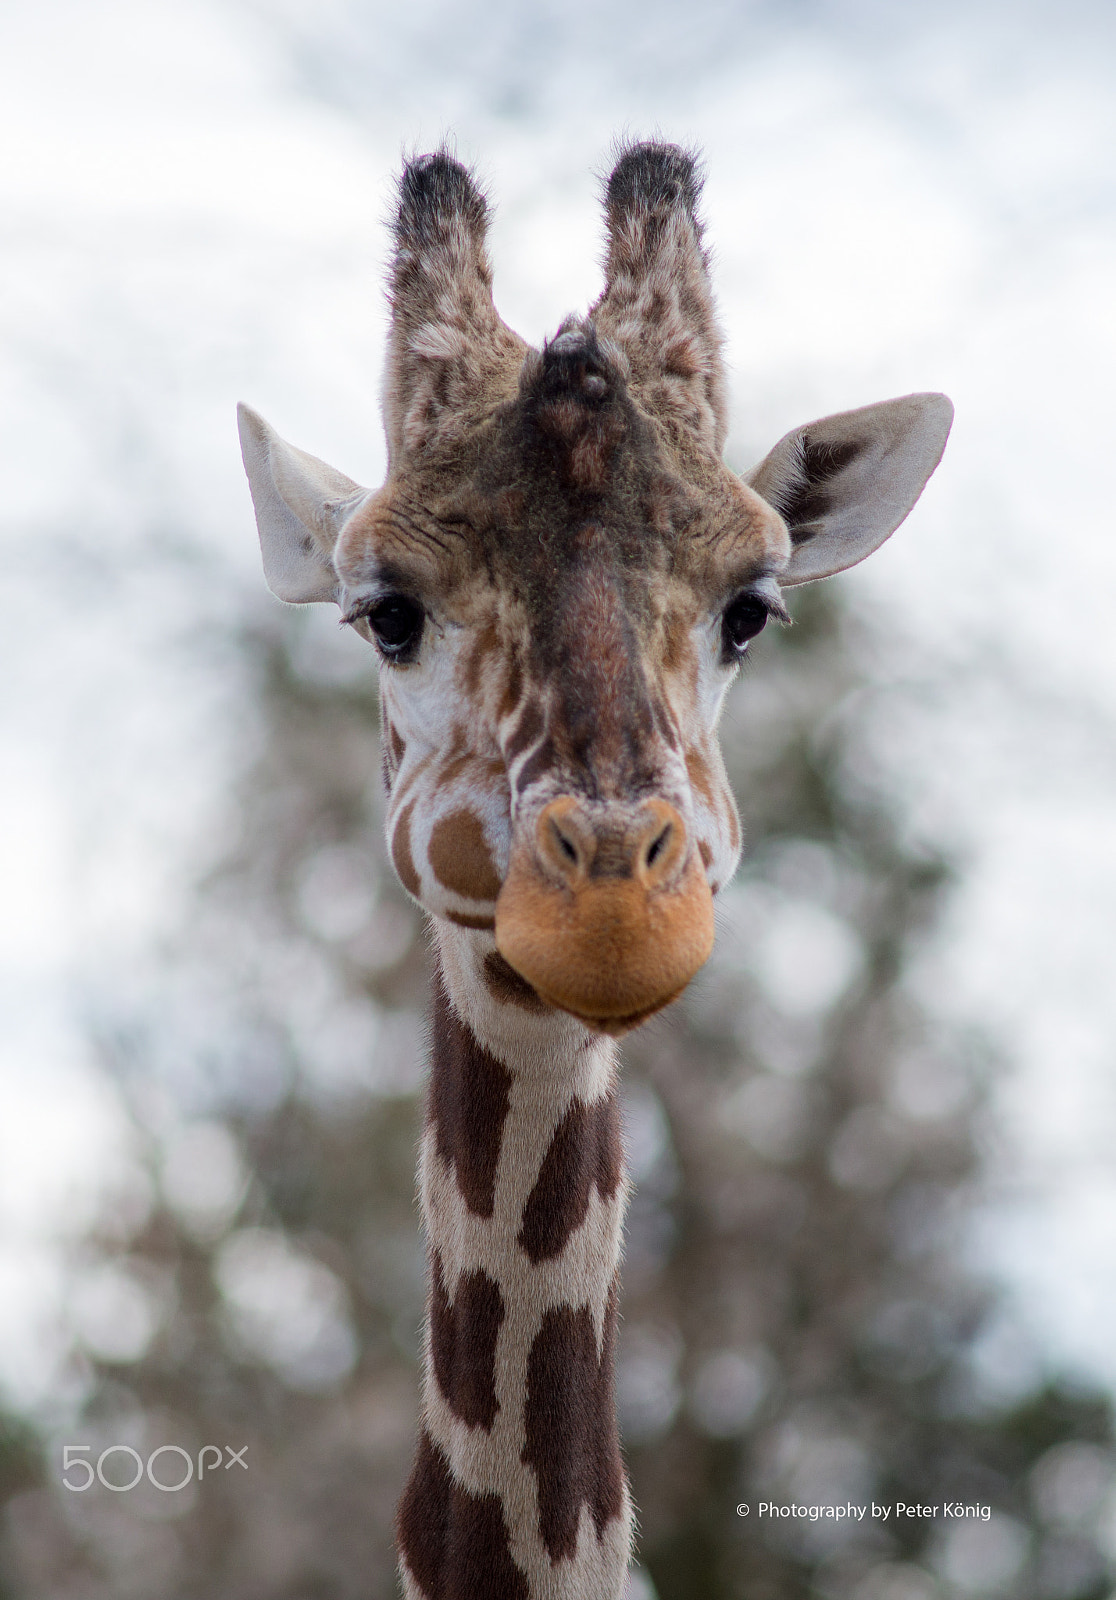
(843, 484)
(803, 499)
(301, 504)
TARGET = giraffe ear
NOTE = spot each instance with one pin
(843, 484)
(300, 506)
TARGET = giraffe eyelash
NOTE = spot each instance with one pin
(745, 617)
(766, 590)
(395, 622)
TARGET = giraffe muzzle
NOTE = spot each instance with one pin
(606, 911)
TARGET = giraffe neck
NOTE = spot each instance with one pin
(518, 1490)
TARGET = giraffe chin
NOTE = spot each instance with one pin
(608, 951)
(617, 1027)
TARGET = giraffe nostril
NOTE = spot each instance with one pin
(564, 844)
(658, 845)
(565, 847)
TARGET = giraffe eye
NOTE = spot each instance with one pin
(742, 620)
(397, 624)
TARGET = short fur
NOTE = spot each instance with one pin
(447, 345)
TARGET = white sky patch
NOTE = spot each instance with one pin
(65, 1151)
(33, 862)
(184, 227)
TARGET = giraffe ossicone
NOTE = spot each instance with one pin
(560, 576)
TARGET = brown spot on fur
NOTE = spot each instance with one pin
(469, 1096)
(489, 771)
(513, 685)
(463, 1335)
(706, 852)
(454, 768)
(485, 644)
(526, 731)
(479, 924)
(585, 1150)
(681, 359)
(698, 769)
(392, 750)
(570, 1423)
(536, 766)
(401, 856)
(676, 642)
(455, 1544)
(460, 859)
(505, 985)
(734, 823)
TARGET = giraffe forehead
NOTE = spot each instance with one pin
(548, 523)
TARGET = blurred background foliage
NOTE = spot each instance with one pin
(799, 1323)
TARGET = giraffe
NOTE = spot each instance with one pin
(560, 577)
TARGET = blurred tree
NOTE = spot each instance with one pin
(799, 1327)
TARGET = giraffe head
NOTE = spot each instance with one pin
(561, 577)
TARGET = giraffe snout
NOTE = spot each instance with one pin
(573, 847)
(606, 911)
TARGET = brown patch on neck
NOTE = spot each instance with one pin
(570, 1421)
(469, 1096)
(586, 1150)
(463, 1335)
(506, 986)
(460, 858)
(455, 1544)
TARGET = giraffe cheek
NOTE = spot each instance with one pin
(735, 837)
(460, 857)
(401, 854)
